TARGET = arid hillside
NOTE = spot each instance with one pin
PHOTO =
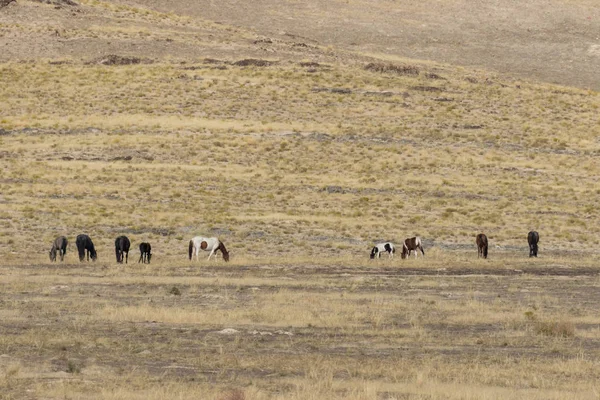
(555, 41)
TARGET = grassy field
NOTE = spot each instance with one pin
(299, 163)
(449, 327)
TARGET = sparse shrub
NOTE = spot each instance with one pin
(175, 291)
(530, 316)
(392, 68)
(73, 367)
(562, 329)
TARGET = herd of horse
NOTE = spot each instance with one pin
(85, 247)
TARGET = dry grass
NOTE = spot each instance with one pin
(276, 162)
(299, 331)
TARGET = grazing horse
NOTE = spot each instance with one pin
(84, 243)
(412, 244)
(122, 244)
(207, 244)
(482, 245)
(533, 238)
(60, 245)
(145, 254)
(382, 248)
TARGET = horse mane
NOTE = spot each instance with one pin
(224, 251)
(191, 248)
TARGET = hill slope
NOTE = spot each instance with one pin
(553, 41)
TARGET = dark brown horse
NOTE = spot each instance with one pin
(60, 245)
(85, 244)
(412, 244)
(122, 245)
(533, 238)
(482, 245)
(145, 253)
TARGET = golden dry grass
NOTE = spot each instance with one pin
(368, 331)
(261, 156)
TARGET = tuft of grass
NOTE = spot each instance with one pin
(73, 367)
(235, 394)
(562, 329)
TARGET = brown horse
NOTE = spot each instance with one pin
(412, 244)
(533, 238)
(482, 245)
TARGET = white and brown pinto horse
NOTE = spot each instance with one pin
(382, 248)
(207, 244)
(412, 244)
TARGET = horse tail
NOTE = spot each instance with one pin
(191, 248)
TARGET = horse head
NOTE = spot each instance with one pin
(224, 251)
(404, 251)
(53, 255)
(374, 251)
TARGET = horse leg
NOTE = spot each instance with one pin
(126, 256)
(211, 253)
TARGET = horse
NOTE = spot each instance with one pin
(533, 238)
(60, 245)
(122, 244)
(482, 245)
(412, 244)
(145, 254)
(382, 248)
(207, 244)
(84, 243)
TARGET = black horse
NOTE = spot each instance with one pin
(122, 244)
(84, 243)
(60, 245)
(145, 254)
(482, 245)
(533, 238)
